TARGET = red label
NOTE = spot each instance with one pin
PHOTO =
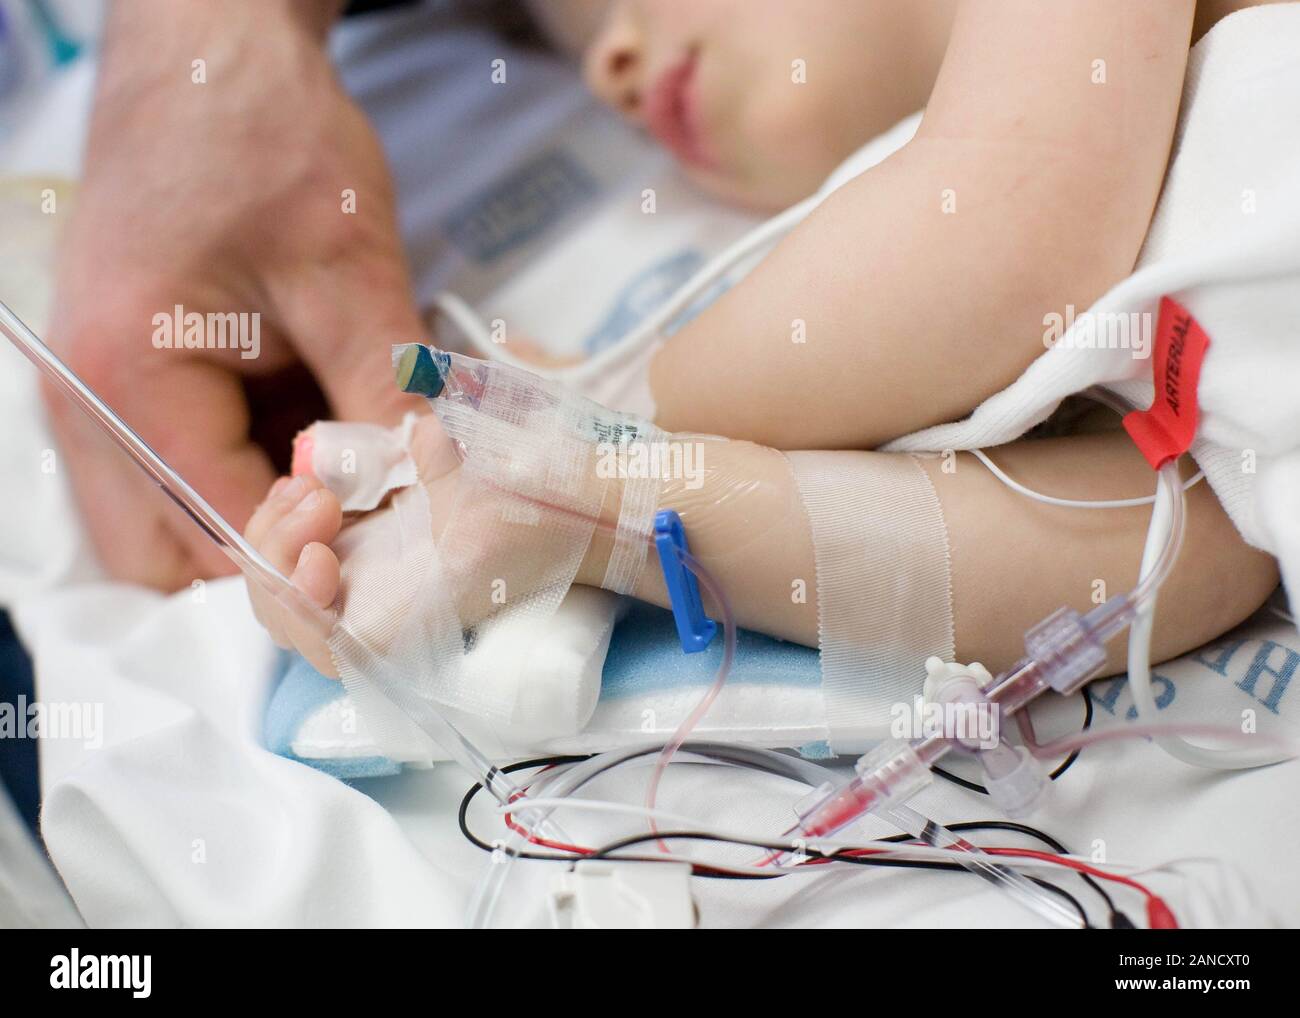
(1165, 431)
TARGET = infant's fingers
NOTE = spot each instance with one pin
(432, 450)
(317, 576)
(284, 534)
(316, 517)
(280, 500)
(285, 493)
(265, 609)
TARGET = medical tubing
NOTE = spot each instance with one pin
(1164, 540)
(485, 898)
(649, 329)
(1074, 503)
(728, 621)
(975, 859)
(932, 837)
(969, 855)
(1062, 652)
(248, 559)
(1170, 482)
(1082, 740)
(1139, 661)
(564, 784)
(488, 892)
(1171, 517)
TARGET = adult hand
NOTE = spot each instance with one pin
(227, 173)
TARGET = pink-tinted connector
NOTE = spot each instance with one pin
(891, 773)
(1062, 653)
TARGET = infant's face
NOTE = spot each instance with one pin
(758, 99)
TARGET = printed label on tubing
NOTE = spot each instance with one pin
(1165, 430)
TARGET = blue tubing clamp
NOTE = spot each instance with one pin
(694, 628)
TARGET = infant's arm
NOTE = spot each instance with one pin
(922, 286)
(1014, 560)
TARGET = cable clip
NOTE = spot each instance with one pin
(694, 628)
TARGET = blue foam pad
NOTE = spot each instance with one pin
(645, 656)
(300, 692)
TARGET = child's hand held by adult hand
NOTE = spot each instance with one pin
(227, 174)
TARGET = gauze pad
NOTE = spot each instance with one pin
(360, 463)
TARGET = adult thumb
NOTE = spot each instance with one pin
(343, 326)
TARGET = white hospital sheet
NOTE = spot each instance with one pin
(182, 818)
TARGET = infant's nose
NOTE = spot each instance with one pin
(613, 65)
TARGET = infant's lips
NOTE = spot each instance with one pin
(670, 112)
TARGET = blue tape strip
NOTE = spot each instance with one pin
(694, 628)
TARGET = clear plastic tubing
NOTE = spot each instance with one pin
(714, 590)
(1063, 652)
(249, 560)
(256, 568)
(489, 889)
(488, 892)
(653, 325)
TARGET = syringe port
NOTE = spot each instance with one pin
(1066, 649)
(890, 774)
(893, 772)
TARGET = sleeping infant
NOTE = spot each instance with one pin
(921, 285)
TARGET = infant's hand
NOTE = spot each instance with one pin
(300, 518)
(500, 548)
(292, 528)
